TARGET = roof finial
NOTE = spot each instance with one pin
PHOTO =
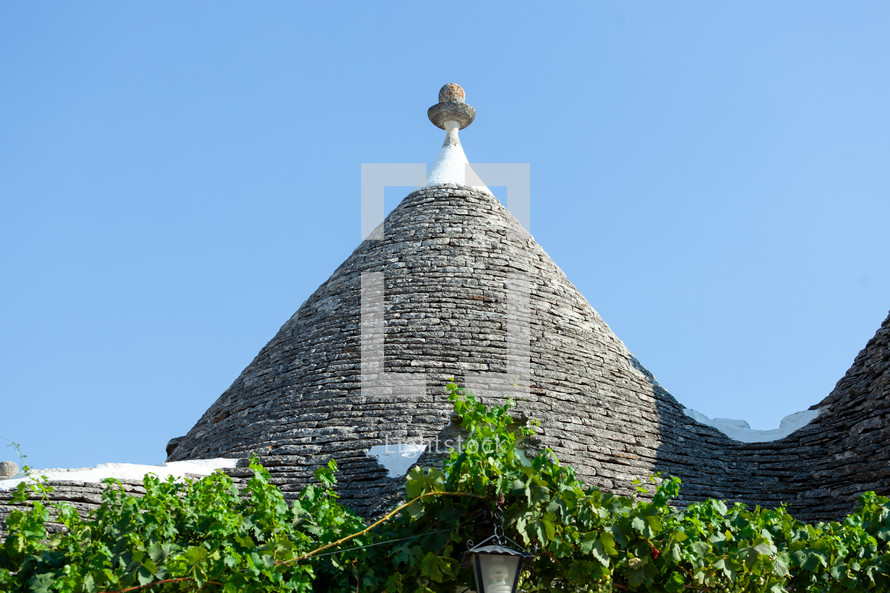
(452, 106)
(451, 114)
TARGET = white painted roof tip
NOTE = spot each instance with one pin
(452, 114)
(452, 166)
(397, 458)
(740, 430)
(126, 471)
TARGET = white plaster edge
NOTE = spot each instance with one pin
(452, 166)
(397, 458)
(740, 430)
(126, 471)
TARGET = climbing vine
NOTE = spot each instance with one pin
(207, 535)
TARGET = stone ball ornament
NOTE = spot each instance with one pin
(452, 93)
(452, 106)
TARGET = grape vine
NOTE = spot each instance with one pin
(207, 535)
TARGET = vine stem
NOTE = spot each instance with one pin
(552, 557)
(386, 518)
(152, 584)
(321, 549)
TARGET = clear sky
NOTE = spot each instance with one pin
(177, 178)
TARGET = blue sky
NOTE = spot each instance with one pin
(176, 179)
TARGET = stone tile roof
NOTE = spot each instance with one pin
(446, 260)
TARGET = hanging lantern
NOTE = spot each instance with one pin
(496, 565)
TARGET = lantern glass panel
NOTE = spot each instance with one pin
(496, 573)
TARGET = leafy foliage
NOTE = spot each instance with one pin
(206, 535)
(183, 536)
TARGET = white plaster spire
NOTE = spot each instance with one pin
(451, 114)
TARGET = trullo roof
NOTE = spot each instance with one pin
(456, 287)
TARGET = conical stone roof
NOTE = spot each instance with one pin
(456, 287)
(827, 464)
(447, 257)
